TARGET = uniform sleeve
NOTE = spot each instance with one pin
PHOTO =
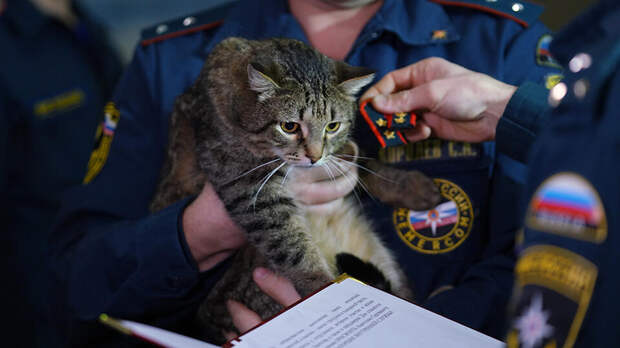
(479, 300)
(528, 64)
(4, 148)
(109, 254)
(566, 273)
(524, 116)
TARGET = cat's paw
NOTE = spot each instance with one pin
(309, 283)
(419, 192)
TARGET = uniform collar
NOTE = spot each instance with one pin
(24, 17)
(413, 22)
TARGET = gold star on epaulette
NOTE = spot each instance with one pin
(389, 134)
(400, 117)
(381, 122)
(439, 35)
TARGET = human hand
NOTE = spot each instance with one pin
(453, 102)
(321, 188)
(278, 288)
(211, 234)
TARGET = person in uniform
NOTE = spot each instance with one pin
(56, 72)
(565, 283)
(112, 256)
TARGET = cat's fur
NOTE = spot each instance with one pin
(229, 123)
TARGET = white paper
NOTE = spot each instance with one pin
(163, 337)
(351, 314)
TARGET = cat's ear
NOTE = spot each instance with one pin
(261, 83)
(352, 79)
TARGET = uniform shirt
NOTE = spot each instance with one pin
(114, 257)
(566, 275)
(53, 85)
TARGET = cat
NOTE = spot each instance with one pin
(256, 108)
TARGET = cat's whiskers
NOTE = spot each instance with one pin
(255, 168)
(286, 175)
(264, 182)
(328, 170)
(348, 177)
(341, 155)
(366, 169)
(359, 180)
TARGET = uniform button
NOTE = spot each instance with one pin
(189, 21)
(580, 62)
(557, 93)
(517, 7)
(162, 28)
(374, 35)
(491, 0)
(581, 88)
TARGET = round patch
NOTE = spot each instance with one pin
(567, 204)
(441, 229)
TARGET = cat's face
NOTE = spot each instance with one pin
(308, 121)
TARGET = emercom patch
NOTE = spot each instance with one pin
(554, 287)
(441, 229)
(567, 204)
(103, 142)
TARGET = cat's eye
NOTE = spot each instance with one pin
(289, 127)
(332, 127)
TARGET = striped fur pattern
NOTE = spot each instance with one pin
(232, 128)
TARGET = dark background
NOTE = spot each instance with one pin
(125, 18)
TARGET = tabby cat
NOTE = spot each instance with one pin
(257, 108)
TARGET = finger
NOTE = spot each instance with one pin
(243, 318)
(323, 208)
(278, 288)
(229, 335)
(417, 98)
(420, 132)
(339, 184)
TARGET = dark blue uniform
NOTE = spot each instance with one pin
(567, 280)
(53, 85)
(114, 257)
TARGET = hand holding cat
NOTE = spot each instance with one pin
(451, 102)
(210, 233)
(320, 189)
(280, 289)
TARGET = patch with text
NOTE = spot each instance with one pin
(441, 229)
(554, 287)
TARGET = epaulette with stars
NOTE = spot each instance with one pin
(200, 21)
(387, 127)
(519, 11)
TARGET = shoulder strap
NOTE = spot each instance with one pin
(200, 21)
(522, 12)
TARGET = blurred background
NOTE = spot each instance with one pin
(126, 18)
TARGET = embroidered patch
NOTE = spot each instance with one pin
(103, 141)
(439, 35)
(429, 149)
(553, 79)
(386, 127)
(554, 287)
(543, 54)
(61, 103)
(568, 205)
(441, 229)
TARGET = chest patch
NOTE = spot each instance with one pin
(568, 205)
(58, 104)
(554, 287)
(441, 229)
